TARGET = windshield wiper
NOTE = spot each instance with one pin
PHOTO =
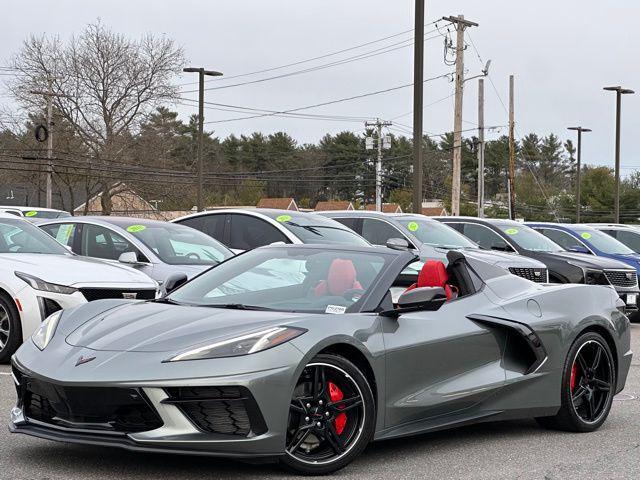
(166, 300)
(237, 306)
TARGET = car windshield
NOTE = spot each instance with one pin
(291, 279)
(603, 242)
(315, 229)
(435, 233)
(529, 239)
(20, 236)
(177, 244)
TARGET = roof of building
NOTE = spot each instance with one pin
(386, 208)
(278, 203)
(333, 205)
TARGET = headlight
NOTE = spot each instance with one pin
(43, 335)
(595, 277)
(242, 345)
(39, 284)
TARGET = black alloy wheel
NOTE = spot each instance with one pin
(10, 331)
(331, 416)
(588, 386)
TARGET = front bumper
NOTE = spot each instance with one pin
(270, 390)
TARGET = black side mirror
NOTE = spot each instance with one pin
(579, 249)
(418, 299)
(398, 244)
(172, 282)
(501, 248)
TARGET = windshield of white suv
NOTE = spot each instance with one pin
(20, 236)
(435, 233)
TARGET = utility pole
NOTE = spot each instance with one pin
(418, 87)
(481, 148)
(49, 97)
(578, 168)
(378, 124)
(619, 92)
(461, 24)
(201, 73)
(512, 153)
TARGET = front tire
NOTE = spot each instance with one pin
(588, 386)
(10, 328)
(332, 416)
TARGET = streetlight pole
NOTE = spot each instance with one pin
(578, 168)
(619, 92)
(201, 73)
(418, 87)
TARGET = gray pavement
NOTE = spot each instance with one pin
(511, 450)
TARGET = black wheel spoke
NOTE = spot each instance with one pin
(334, 439)
(590, 407)
(596, 358)
(346, 404)
(578, 394)
(601, 385)
(299, 437)
(582, 363)
(318, 382)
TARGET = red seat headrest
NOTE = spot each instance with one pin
(433, 274)
(340, 278)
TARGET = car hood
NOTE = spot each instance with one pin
(585, 260)
(161, 327)
(74, 270)
(502, 259)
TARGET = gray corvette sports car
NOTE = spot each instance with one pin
(299, 353)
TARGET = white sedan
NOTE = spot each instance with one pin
(38, 277)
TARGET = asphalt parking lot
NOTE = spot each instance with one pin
(513, 450)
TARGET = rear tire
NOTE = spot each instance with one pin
(588, 386)
(10, 328)
(328, 426)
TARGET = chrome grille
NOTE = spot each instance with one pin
(538, 275)
(622, 278)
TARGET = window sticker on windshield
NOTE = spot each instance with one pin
(283, 218)
(511, 231)
(64, 232)
(135, 228)
(31, 213)
(412, 226)
(337, 309)
(585, 235)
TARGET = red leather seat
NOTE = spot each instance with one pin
(434, 274)
(340, 278)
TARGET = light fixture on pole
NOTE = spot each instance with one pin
(201, 73)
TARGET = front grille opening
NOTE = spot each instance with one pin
(122, 410)
(48, 307)
(620, 278)
(92, 294)
(221, 410)
(538, 275)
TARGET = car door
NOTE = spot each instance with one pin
(438, 362)
(378, 232)
(246, 232)
(64, 233)
(101, 242)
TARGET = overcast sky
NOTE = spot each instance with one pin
(561, 52)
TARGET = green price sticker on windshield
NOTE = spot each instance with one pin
(511, 231)
(283, 218)
(412, 226)
(585, 235)
(135, 228)
(31, 213)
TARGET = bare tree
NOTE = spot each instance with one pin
(105, 85)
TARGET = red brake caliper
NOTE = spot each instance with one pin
(341, 419)
(574, 375)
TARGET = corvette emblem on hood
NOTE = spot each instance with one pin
(82, 360)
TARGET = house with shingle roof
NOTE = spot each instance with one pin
(386, 208)
(278, 203)
(334, 205)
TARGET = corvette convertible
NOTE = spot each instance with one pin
(300, 353)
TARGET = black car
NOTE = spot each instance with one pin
(564, 266)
